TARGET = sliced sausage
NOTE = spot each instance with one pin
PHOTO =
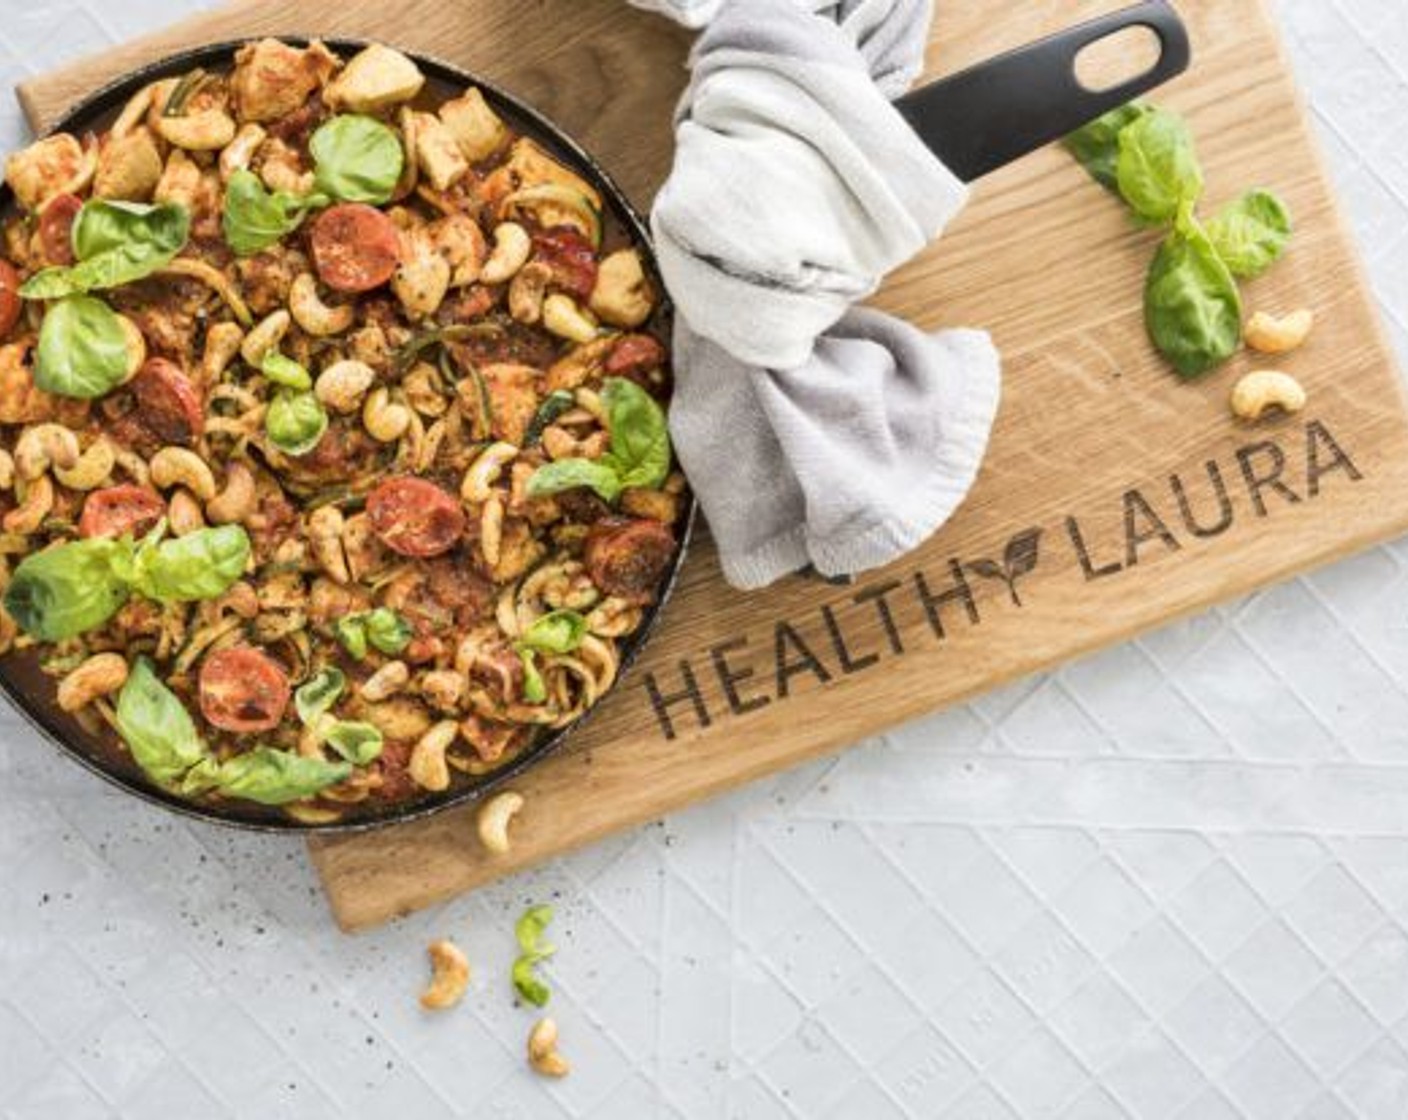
(9, 297)
(119, 511)
(628, 557)
(415, 517)
(242, 689)
(355, 247)
(56, 228)
(168, 402)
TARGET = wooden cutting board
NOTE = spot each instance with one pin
(1114, 499)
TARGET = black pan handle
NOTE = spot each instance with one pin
(996, 112)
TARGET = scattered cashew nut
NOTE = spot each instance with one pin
(312, 314)
(179, 466)
(449, 976)
(493, 820)
(384, 419)
(563, 317)
(100, 675)
(343, 384)
(207, 131)
(479, 479)
(511, 248)
(183, 513)
(1259, 392)
(37, 503)
(42, 446)
(542, 1050)
(92, 469)
(491, 530)
(265, 336)
(427, 766)
(1271, 335)
(222, 343)
(237, 501)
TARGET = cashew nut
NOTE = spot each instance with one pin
(384, 420)
(493, 819)
(36, 504)
(7, 470)
(511, 248)
(183, 513)
(265, 336)
(427, 766)
(542, 1050)
(325, 536)
(240, 151)
(1270, 335)
(491, 530)
(100, 675)
(312, 314)
(386, 682)
(92, 468)
(237, 501)
(564, 318)
(525, 294)
(179, 466)
(222, 343)
(479, 479)
(42, 446)
(1259, 392)
(444, 688)
(343, 384)
(206, 131)
(449, 976)
(622, 296)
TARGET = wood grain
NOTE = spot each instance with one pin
(1116, 496)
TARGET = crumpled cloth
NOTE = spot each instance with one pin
(813, 431)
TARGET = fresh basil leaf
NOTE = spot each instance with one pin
(68, 589)
(283, 370)
(295, 422)
(115, 243)
(351, 631)
(1251, 234)
(356, 159)
(388, 631)
(534, 690)
(82, 349)
(569, 474)
(274, 777)
(1097, 146)
(357, 742)
(157, 728)
(554, 405)
(559, 631)
(1191, 304)
(319, 693)
(529, 930)
(640, 438)
(255, 218)
(201, 565)
(1157, 168)
(203, 777)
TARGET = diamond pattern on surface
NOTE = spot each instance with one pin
(1167, 881)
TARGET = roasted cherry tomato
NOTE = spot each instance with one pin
(119, 511)
(571, 258)
(56, 227)
(9, 297)
(355, 247)
(242, 689)
(415, 517)
(627, 557)
(168, 402)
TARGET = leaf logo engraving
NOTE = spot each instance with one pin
(1018, 559)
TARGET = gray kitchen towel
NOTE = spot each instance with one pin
(812, 431)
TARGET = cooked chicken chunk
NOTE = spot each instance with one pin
(476, 128)
(272, 79)
(46, 168)
(374, 79)
(129, 167)
(439, 153)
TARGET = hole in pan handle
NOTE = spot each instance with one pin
(996, 112)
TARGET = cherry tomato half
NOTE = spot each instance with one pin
(242, 689)
(118, 511)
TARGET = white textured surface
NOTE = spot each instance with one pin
(1171, 881)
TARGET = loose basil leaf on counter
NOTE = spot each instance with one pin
(255, 218)
(156, 726)
(274, 777)
(82, 349)
(201, 565)
(357, 742)
(114, 243)
(319, 693)
(1192, 307)
(68, 589)
(356, 159)
(1157, 168)
(640, 437)
(1097, 146)
(559, 631)
(534, 690)
(283, 370)
(1251, 233)
(569, 474)
(529, 930)
(295, 422)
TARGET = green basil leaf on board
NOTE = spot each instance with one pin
(201, 565)
(357, 742)
(1192, 307)
(274, 777)
(283, 370)
(1251, 233)
(295, 422)
(319, 693)
(356, 159)
(114, 243)
(68, 589)
(1157, 169)
(527, 983)
(533, 948)
(82, 349)
(559, 631)
(156, 726)
(640, 437)
(569, 474)
(1097, 146)
(254, 218)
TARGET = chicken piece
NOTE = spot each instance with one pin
(461, 242)
(266, 278)
(180, 181)
(282, 169)
(438, 152)
(374, 79)
(129, 167)
(272, 79)
(476, 128)
(529, 165)
(423, 276)
(21, 401)
(513, 398)
(55, 165)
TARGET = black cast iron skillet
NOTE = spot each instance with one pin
(975, 121)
